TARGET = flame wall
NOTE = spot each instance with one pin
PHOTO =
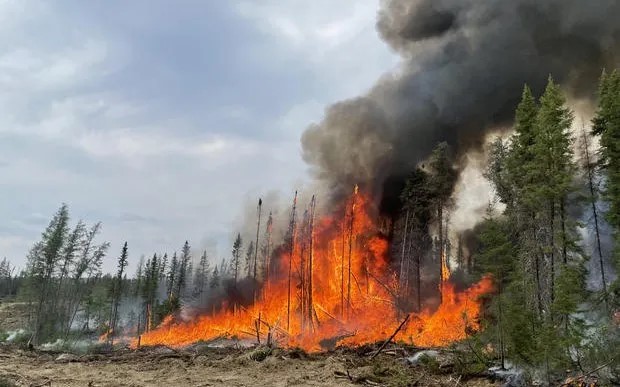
(352, 295)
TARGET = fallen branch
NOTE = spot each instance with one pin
(391, 337)
(566, 384)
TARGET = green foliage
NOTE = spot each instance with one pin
(236, 256)
(167, 307)
(62, 270)
(533, 250)
(443, 175)
(607, 124)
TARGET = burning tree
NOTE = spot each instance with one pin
(324, 281)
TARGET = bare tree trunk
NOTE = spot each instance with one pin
(500, 325)
(344, 222)
(350, 253)
(290, 263)
(440, 250)
(538, 286)
(591, 186)
(564, 237)
(260, 206)
(310, 258)
(402, 255)
(551, 246)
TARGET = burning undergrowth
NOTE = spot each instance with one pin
(331, 284)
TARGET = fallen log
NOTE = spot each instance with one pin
(402, 324)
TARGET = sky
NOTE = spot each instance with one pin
(160, 118)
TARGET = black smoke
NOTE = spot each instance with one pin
(464, 64)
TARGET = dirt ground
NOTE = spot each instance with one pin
(215, 367)
(13, 315)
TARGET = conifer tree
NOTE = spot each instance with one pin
(416, 199)
(202, 275)
(43, 260)
(236, 256)
(496, 257)
(607, 124)
(117, 288)
(443, 177)
(184, 265)
(215, 279)
(249, 259)
(173, 275)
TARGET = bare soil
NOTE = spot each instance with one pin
(206, 366)
(13, 315)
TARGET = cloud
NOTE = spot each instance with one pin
(161, 124)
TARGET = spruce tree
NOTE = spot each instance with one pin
(443, 176)
(496, 257)
(607, 124)
(215, 279)
(117, 288)
(236, 257)
(172, 275)
(184, 265)
(417, 202)
(249, 259)
(43, 261)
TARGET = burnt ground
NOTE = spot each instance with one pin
(204, 365)
(207, 366)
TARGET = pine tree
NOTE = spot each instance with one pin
(183, 269)
(443, 177)
(162, 267)
(139, 277)
(173, 275)
(43, 261)
(202, 276)
(521, 158)
(416, 199)
(249, 259)
(236, 256)
(554, 175)
(117, 289)
(607, 124)
(496, 257)
(215, 279)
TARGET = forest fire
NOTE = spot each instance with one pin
(331, 285)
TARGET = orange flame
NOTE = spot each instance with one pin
(350, 296)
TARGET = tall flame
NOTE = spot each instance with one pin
(348, 299)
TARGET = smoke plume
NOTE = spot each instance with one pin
(464, 63)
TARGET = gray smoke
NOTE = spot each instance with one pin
(464, 63)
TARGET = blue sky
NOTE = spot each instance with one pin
(160, 118)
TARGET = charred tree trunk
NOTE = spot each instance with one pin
(310, 263)
(403, 272)
(290, 262)
(440, 250)
(260, 207)
(350, 253)
(344, 223)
